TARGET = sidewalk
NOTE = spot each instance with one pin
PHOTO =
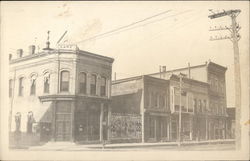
(58, 146)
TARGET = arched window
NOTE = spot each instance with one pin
(103, 86)
(82, 83)
(46, 82)
(10, 87)
(93, 85)
(33, 85)
(64, 81)
(20, 89)
(30, 121)
(18, 121)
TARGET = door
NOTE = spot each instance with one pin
(63, 121)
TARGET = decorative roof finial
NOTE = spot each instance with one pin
(47, 43)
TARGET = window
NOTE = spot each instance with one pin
(156, 100)
(162, 101)
(205, 105)
(30, 122)
(33, 86)
(93, 85)
(10, 87)
(216, 85)
(18, 121)
(20, 90)
(103, 86)
(195, 105)
(82, 83)
(46, 83)
(64, 81)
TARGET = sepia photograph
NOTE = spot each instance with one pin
(124, 80)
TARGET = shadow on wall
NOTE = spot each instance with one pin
(39, 135)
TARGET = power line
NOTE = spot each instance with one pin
(122, 27)
(117, 32)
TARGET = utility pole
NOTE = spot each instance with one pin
(235, 37)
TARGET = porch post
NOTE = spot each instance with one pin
(101, 120)
(109, 123)
(142, 112)
(168, 129)
(73, 120)
(53, 124)
(206, 129)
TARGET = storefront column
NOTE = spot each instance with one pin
(191, 129)
(168, 129)
(142, 112)
(53, 123)
(206, 129)
(155, 128)
(109, 123)
(73, 120)
(101, 120)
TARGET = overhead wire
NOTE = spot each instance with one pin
(122, 27)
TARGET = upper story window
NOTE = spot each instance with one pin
(200, 106)
(195, 104)
(33, 85)
(103, 86)
(155, 100)
(21, 87)
(82, 83)
(46, 82)
(93, 85)
(64, 81)
(10, 87)
(162, 101)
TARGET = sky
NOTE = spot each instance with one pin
(172, 39)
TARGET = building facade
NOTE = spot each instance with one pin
(147, 98)
(157, 98)
(214, 117)
(62, 94)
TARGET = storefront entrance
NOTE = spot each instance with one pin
(63, 127)
(87, 123)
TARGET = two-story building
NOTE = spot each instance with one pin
(156, 99)
(146, 98)
(63, 94)
(215, 104)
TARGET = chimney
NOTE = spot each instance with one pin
(10, 56)
(32, 49)
(163, 68)
(19, 53)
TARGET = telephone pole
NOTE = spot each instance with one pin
(235, 37)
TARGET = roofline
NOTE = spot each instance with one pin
(192, 80)
(217, 65)
(43, 53)
(169, 71)
(111, 60)
(126, 79)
